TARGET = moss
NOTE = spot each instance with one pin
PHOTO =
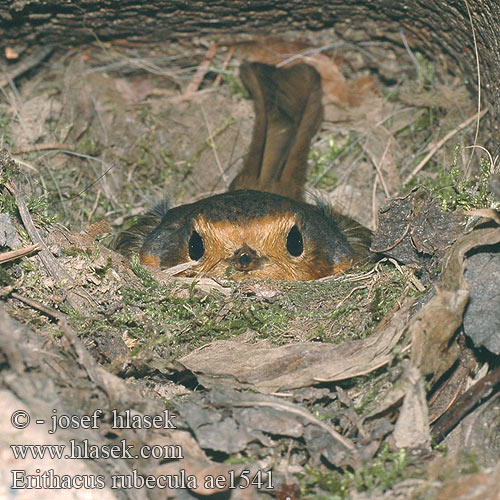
(463, 463)
(86, 253)
(8, 204)
(426, 70)
(453, 190)
(89, 145)
(192, 321)
(141, 272)
(38, 207)
(383, 472)
(344, 309)
(320, 171)
(387, 468)
(5, 279)
(181, 318)
(317, 484)
(236, 87)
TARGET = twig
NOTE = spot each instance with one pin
(21, 163)
(478, 67)
(346, 442)
(189, 97)
(397, 242)
(225, 64)
(40, 147)
(374, 204)
(355, 289)
(213, 145)
(465, 403)
(437, 146)
(84, 357)
(15, 254)
(48, 260)
(202, 70)
(412, 55)
(378, 168)
(493, 161)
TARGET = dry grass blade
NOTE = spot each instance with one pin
(40, 147)
(478, 71)
(440, 143)
(16, 254)
(346, 442)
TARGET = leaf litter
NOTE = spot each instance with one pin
(313, 381)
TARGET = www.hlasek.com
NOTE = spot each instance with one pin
(84, 449)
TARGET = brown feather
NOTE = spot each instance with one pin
(288, 112)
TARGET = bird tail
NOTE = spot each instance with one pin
(288, 112)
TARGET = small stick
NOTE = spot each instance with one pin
(478, 69)
(465, 403)
(378, 168)
(188, 97)
(228, 58)
(346, 442)
(40, 147)
(53, 267)
(212, 144)
(374, 204)
(84, 357)
(15, 254)
(437, 146)
(397, 242)
(202, 70)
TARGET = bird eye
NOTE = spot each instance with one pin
(294, 243)
(196, 248)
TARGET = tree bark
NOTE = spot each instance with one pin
(435, 27)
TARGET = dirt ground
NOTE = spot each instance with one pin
(333, 389)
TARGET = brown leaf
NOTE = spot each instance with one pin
(432, 329)
(412, 427)
(265, 368)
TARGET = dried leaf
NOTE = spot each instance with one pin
(264, 368)
(432, 329)
(412, 427)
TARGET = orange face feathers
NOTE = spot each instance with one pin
(250, 234)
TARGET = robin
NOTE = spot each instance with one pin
(261, 227)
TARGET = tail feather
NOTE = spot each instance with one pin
(288, 112)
